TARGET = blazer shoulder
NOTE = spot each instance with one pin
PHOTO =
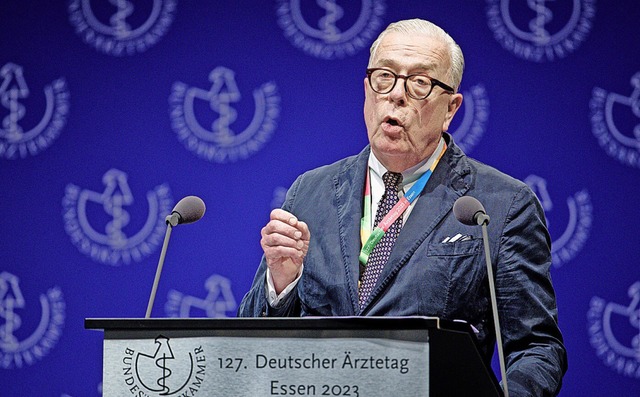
(478, 175)
(488, 175)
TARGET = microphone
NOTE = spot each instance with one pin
(187, 210)
(469, 211)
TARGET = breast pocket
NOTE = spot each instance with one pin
(463, 248)
(463, 275)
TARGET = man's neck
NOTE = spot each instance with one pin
(410, 173)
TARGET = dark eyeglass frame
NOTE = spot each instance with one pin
(434, 82)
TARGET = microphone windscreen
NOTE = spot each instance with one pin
(190, 209)
(465, 209)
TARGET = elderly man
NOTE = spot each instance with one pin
(374, 234)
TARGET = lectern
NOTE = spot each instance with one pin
(328, 356)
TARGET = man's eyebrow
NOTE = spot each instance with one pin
(426, 66)
(386, 62)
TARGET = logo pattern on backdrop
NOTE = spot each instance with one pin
(17, 348)
(219, 301)
(474, 118)
(279, 195)
(614, 332)
(325, 37)
(163, 370)
(615, 121)
(219, 143)
(576, 232)
(112, 243)
(541, 30)
(16, 139)
(111, 28)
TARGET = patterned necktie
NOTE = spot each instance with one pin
(380, 254)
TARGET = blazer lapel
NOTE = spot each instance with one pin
(349, 194)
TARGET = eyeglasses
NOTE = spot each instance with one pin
(417, 86)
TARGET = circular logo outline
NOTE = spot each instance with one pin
(14, 141)
(119, 39)
(615, 143)
(329, 43)
(221, 145)
(115, 248)
(539, 45)
(15, 354)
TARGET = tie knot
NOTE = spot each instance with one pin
(392, 180)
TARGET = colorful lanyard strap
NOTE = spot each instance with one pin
(370, 239)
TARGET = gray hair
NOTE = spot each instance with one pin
(420, 26)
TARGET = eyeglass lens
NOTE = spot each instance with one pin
(417, 86)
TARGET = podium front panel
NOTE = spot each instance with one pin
(249, 360)
(329, 356)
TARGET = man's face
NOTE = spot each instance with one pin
(404, 131)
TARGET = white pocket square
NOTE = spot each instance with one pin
(457, 237)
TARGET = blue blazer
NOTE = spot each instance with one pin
(426, 276)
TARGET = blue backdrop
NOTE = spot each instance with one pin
(112, 111)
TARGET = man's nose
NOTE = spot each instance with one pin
(398, 94)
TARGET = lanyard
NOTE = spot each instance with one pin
(370, 239)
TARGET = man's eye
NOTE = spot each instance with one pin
(421, 81)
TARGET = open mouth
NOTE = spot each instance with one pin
(392, 127)
(392, 121)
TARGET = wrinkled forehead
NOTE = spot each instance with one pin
(412, 51)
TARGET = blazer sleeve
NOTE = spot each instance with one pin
(254, 303)
(535, 354)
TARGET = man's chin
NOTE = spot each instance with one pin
(394, 159)
(391, 149)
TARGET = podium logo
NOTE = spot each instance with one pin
(615, 121)
(614, 332)
(99, 224)
(219, 143)
(474, 118)
(329, 29)
(218, 302)
(163, 372)
(21, 136)
(121, 27)
(19, 346)
(540, 30)
(578, 226)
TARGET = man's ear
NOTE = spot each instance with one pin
(454, 104)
